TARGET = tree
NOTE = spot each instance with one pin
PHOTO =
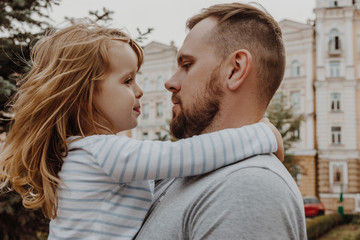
(21, 24)
(284, 118)
(19, 223)
(142, 35)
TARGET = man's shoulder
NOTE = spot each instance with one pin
(251, 194)
(262, 169)
(267, 162)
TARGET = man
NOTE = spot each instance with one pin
(229, 67)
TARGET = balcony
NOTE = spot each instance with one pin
(334, 52)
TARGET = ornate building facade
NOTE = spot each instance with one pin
(337, 28)
(159, 65)
(323, 66)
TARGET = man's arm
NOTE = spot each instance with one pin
(252, 203)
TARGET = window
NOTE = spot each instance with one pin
(146, 111)
(333, 3)
(335, 100)
(338, 176)
(295, 68)
(159, 110)
(295, 99)
(158, 135)
(146, 84)
(336, 135)
(334, 41)
(145, 136)
(334, 69)
(160, 83)
(338, 171)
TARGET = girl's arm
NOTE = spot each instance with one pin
(125, 159)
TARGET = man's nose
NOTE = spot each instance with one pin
(173, 84)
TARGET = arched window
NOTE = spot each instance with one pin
(334, 42)
(295, 68)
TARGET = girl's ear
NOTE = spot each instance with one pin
(241, 62)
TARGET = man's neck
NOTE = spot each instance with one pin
(232, 115)
(222, 121)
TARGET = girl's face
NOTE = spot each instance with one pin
(118, 95)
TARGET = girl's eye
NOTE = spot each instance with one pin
(128, 81)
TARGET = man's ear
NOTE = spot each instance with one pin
(241, 63)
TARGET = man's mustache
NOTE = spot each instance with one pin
(176, 99)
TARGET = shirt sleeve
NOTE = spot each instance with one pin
(250, 204)
(125, 159)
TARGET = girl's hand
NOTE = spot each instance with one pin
(280, 151)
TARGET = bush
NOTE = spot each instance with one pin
(318, 226)
(352, 236)
(352, 218)
(16, 222)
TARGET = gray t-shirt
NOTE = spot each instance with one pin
(254, 199)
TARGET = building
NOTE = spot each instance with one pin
(159, 65)
(298, 86)
(321, 81)
(337, 28)
(323, 74)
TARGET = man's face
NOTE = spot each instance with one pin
(195, 85)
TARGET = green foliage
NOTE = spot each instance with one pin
(318, 226)
(284, 118)
(343, 232)
(18, 16)
(22, 22)
(353, 235)
(16, 222)
(7, 88)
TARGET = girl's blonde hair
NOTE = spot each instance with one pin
(55, 101)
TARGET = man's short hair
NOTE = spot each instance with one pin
(241, 26)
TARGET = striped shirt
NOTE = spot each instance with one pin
(107, 185)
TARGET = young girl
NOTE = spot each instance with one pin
(62, 153)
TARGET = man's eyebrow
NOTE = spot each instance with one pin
(183, 57)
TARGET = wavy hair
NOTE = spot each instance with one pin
(55, 101)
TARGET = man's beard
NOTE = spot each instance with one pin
(194, 120)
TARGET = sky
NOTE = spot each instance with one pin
(168, 17)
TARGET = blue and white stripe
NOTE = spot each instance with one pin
(107, 180)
